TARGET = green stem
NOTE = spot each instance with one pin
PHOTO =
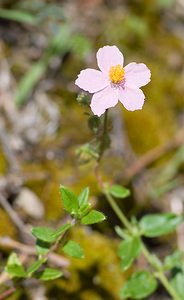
(167, 285)
(160, 274)
(118, 211)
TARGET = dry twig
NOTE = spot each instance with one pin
(153, 155)
(30, 250)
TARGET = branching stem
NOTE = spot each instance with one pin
(160, 274)
(58, 242)
(149, 257)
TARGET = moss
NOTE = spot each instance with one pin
(6, 226)
(3, 162)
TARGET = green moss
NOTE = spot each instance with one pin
(3, 163)
(6, 226)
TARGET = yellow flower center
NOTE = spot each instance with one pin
(116, 74)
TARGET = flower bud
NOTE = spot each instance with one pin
(84, 98)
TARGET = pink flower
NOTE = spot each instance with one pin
(114, 81)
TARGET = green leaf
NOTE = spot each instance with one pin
(13, 259)
(15, 270)
(62, 228)
(19, 16)
(58, 44)
(92, 217)
(33, 267)
(48, 274)
(140, 285)
(44, 234)
(84, 209)
(69, 199)
(178, 284)
(173, 260)
(158, 224)
(83, 197)
(42, 247)
(123, 233)
(73, 249)
(129, 250)
(28, 81)
(118, 191)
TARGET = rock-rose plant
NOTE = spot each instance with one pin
(112, 83)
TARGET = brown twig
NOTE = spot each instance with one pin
(153, 155)
(8, 292)
(30, 250)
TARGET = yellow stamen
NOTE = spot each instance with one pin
(116, 74)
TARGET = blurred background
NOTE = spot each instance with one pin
(44, 45)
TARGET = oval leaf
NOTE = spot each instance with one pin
(69, 199)
(13, 259)
(33, 267)
(140, 285)
(44, 234)
(15, 270)
(173, 260)
(129, 250)
(48, 274)
(119, 191)
(73, 249)
(62, 228)
(83, 197)
(154, 225)
(178, 284)
(93, 217)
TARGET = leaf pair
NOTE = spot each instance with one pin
(78, 206)
(15, 269)
(72, 203)
(47, 234)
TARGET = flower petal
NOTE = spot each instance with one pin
(131, 98)
(104, 99)
(137, 74)
(92, 80)
(109, 56)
